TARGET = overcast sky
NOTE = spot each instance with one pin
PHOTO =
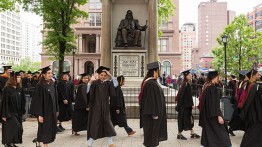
(188, 9)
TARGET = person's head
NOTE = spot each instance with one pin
(22, 73)
(121, 80)
(29, 74)
(47, 73)
(253, 75)
(129, 15)
(66, 76)
(202, 75)
(7, 69)
(153, 70)
(187, 75)
(84, 78)
(14, 80)
(213, 77)
(101, 71)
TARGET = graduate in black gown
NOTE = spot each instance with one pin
(118, 108)
(3, 79)
(153, 108)
(65, 98)
(236, 123)
(251, 112)
(214, 132)
(44, 106)
(80, 114)
(13, 108)
(184, 107)
(100, 91)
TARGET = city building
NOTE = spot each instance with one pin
(188, 44)
(255, 18)
(10, 28)
(31, 41)
(88, 32)
(213, 16)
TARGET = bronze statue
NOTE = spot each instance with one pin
(129, 32)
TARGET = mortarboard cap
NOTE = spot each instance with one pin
(36, 72)
(251, 72)
(101, 68)
(21, 71)
(153, 65)
(242, 73)
(186, 72)
(120, 80)
(84, 74)
(14, 74)
(65, 72)
(233, 76)
(6, 67)
(29, 72)
(45, 69)
(212, 74)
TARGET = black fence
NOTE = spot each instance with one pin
(131, 100)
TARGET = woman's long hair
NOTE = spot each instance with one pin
(81, 80)
(43, 81)
(150, 73)
(12, 81)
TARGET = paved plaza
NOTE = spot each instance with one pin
(65, 139)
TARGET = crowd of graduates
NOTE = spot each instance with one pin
(99, 105)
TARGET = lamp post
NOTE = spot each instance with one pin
(74, 51)
(225, 39)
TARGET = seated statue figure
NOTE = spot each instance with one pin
(129, 32)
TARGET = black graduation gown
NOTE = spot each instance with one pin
(153, 104)
(13, 108)
(185, 103)
(118, 103)
(213, 133)
(44, 103)
(252, 115)
(3, 81)
(99, 121)
(80, 114)
(64, 93)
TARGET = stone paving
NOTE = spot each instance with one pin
(66, 139)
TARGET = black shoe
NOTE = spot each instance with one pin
(58, 129)
(61, 127)
(195, 135)
(125, 45)
(181, 137)
(231, 132)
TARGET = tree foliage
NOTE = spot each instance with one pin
(243, 43)
(26, 64)
(166, 9)
(58, 16)
(7, 5)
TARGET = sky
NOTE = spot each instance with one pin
(188, 9)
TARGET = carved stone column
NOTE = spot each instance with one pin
(152, 36)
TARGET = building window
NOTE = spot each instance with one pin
(166, 68)
(56, 64)
(95, 19)
(162, 45)
(95, 5)
(164, 25)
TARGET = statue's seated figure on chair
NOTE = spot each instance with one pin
(129, 32)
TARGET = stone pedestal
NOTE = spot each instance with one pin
(129, 62)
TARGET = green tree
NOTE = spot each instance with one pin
(7, 5)
(58, 16)
(166, 9)
(25, 64)
(243, 43)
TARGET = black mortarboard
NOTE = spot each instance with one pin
(242, 74)
(29, 72)
(233, 76)
(101, 68)
(36, 72)
(212, 74)
(153, 65)
(45, 69)
(21, 71)
(65, 72)
(84, 74)
(7, 67)
(186, 72)
(120, 80)
(251, 73)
